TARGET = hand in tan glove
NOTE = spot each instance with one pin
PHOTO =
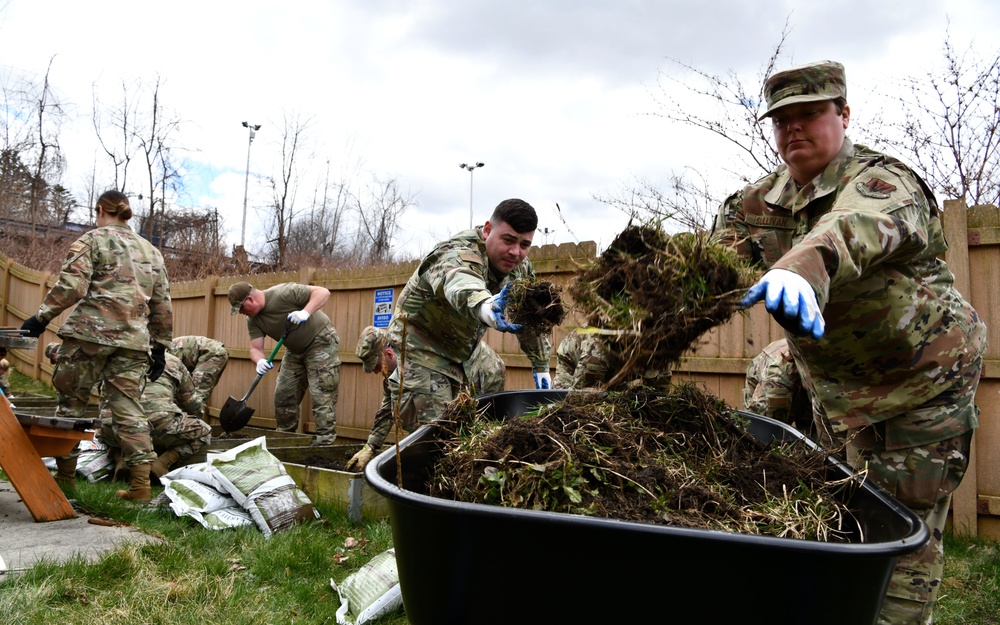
(359, 460)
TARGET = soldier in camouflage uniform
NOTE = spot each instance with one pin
(458, 291)
(589, 360)
(890, 351)
(172, 404)
(312, 356)
(117, 333)
(485, 371)
(205, 359)
(774, 389)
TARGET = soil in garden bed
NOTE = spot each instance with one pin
(676, 456)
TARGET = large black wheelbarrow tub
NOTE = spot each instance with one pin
(482, 564)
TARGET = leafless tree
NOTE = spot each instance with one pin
(31, 161)
(378, 218)
(680, 204)
(284, 186)
(48, 160)
(155, 141)
(950, 130)
(141, 129)
(726, 106)
(115, 128)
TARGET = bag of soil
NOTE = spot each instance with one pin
(206, 504)
(370, 592)
(94, 463)
(257, 480)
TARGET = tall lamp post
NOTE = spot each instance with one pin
(472, 169)
(246, 181)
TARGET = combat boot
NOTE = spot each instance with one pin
(161, 466)
(139, 488)
(66, 475)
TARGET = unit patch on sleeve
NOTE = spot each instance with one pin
(875, 188)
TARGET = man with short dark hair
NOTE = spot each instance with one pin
(458, 291)
(889, 350)
(312, 350)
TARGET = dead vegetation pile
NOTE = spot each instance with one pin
(651, 295)
(676, 457)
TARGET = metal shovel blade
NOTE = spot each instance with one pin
(235, 414)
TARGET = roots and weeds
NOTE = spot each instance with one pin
(651, 295)
(537, 305)
(675, 457)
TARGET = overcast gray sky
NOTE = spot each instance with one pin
(555, 97)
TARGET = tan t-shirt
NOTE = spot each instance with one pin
(272, 320)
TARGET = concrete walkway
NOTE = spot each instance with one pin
(23, 542)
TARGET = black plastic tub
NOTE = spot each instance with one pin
(482, 564)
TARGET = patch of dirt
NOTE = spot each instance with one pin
(536, 305)
(677, 457)
(335, 458)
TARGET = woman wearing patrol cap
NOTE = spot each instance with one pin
(851, 240)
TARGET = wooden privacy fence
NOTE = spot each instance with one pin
(718, 362)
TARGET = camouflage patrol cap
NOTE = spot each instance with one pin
(238, 293)
(50, 352)
(370, 346)
(814, 82)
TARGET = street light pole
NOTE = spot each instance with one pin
(246, 181)
(472, 169)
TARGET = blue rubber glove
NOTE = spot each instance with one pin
(790, 300)
(543, 380)
(492, 312)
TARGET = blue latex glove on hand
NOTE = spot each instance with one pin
(790, 300)
(263, 366)
(543, 380)
(298, 317)
(492, 312)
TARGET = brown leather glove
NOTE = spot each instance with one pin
(359, 460)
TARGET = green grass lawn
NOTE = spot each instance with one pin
(196, 576)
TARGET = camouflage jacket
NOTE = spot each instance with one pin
(172, 392)
(587, 360)
(441, 301)
(204, 358)
(774, 387)
(866, 235)
(383, 416)
(118, 283)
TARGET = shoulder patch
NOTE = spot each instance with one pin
(471, 257)
(875, 188)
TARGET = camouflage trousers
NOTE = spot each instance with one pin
(121, 374)
(425, 393)
(168, 430)
(923, 479)
(318, 370)
(485, 370)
